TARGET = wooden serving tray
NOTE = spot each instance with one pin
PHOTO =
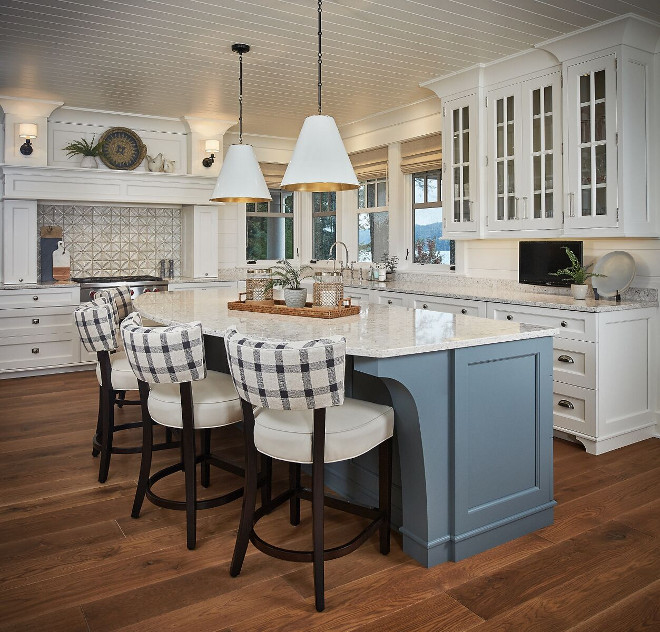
(278, 307)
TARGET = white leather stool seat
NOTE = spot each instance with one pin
(123, 378)
(215, 402)
(350, 430)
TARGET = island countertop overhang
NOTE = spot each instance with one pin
(379, 331)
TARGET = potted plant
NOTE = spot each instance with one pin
(390, 263)
(576, 273)
(289, 278)
(87, 149)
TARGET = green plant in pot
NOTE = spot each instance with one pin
(578, 274)
(289, 277)
(391, 263)
(85, 148)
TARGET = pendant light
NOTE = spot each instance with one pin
(240, 178)
(319, 161)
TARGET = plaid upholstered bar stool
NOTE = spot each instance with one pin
(301, 416)
(178, 392)
(97, 324)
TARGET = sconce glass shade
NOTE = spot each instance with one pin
(240, 179)
(319, 161)
(212, 146)
(27, 130)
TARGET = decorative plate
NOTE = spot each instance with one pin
(121, 148)
(619, 270)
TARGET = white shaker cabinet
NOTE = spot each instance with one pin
(19, 241)
(199, 241)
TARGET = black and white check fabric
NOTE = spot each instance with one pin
(164, 354)
(121, 297)
(97, 325)
(287, 375)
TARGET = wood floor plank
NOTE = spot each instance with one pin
(69, 619)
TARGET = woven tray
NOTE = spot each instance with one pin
(278, 307)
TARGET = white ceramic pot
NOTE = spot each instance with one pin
(579, 292)
(295, 298)
(89, 162)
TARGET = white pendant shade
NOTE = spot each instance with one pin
(319, 161)
(240, 179)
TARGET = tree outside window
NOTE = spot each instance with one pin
(429, 246)
(374, 221)
(324, 224)
(269, 227)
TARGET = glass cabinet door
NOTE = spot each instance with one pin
(592, 158)
(458, 160)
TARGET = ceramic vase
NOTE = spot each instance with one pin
(579, 292)
(89, 162)
(295, 298)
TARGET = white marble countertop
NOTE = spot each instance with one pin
(379, 331)
(37, 286)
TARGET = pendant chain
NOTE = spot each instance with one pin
(240, 98)
(320, 54)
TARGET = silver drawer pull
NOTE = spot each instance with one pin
(35, 349)
(35, 321)
(425, 306)
(563, 323)
(566, 358)
(35, 298)
(464, 311)
(509, 317)
(564, 403)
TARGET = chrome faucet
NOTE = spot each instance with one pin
(334, 265)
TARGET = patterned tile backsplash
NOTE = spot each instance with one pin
(112, 240)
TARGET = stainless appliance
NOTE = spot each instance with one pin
(137, 284)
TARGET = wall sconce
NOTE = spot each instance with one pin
(211, 147)
(27, 131)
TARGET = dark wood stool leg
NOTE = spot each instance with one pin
(99, 424)
(294, 502)
(385, 492)
(168, 435)
(250, 493)
(189, 467)
(147, 447)
(108, 430)
(121, 396)
(318, 461)
(206, 451)
(267, 475)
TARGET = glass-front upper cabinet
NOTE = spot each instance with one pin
(459, 161)
(592, 144)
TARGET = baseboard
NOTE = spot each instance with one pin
(47, 370)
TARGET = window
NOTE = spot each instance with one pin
(324, 224)
(269, 227)
(374, 222)
(428, 244)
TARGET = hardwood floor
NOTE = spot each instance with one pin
(72, 559)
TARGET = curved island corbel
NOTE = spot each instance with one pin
(473, 412)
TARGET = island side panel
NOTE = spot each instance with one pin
(502, 443)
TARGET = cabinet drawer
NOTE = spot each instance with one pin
(450, 305)
(55, 321)
(39, 298)
(571, 324)
(388, 298)
(358, 297)
(574, 362)
(574, 409)
(37, 351)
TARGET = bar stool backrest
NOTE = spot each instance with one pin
(121, 297)
(97, 325)
(164, 354)
(287, 375)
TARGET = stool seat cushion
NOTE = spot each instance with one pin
(215, 402)
(350, 430)
(122, 377)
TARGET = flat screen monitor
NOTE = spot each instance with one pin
(537, 259)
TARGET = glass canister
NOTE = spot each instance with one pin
(258, 286)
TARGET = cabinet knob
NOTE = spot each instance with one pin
(464, 311)
(564, 403)
(389, 301)
(35, 321)
(206, 274)
(566, 358)
(35, 298)
(564, 323)
(20, 280)
(35, 349)
(509, 317)
(425, 306)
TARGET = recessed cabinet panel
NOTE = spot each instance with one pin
(389, 298)
(19, 241)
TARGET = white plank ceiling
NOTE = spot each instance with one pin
(173, 57)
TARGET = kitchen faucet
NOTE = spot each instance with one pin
(334, 265)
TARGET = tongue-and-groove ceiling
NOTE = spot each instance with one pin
(173, 57)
